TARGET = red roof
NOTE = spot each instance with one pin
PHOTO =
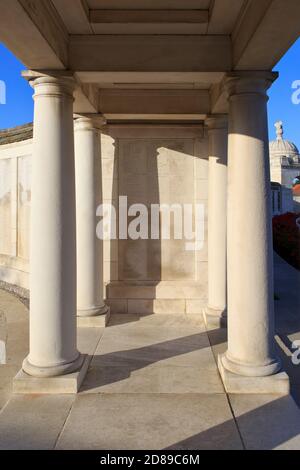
(296, 190)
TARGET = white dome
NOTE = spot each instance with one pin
(281, 147)
(284, 148)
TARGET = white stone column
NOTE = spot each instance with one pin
(90, 301)
(215, 313)
(251, 344)
(53, 349)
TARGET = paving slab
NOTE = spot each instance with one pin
(127, 350)
(218, 341)
(88, 339)
(14, 309)
(287, 308)
(33, 422)
(267, 422)
(176, 358)
(17, 331)
(157, 321)
(155, 356)
(155, 380)
(137, 337)
(126, 421)
(5, 390)
(153, 383)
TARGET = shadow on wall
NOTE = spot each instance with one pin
(139, 260)
(150, 172)
(149, 168)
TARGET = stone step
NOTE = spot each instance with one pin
(161, 291)
(156, 306)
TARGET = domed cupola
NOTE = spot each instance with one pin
(283, 152)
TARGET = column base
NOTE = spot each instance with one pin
(277, 384)
(214, 318)
(53, 371)
(69, 383)
(98, 318)
(270, 368)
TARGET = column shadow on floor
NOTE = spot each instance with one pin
(119, 365)
(269, 424)
(267, 427)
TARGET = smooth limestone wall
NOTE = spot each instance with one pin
(15, 197)
(148, 164)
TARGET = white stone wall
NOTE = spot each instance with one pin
(156, 165)
(110, 176)
(15, 196)
(149, 165)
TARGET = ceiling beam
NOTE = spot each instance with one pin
(266, 31)
(149, 4)
(154, 102)
(218, 99)
(34, 32)
(159, 118)
(198, 79)
(75, 15)
(150, 53)
(86, 98)
(164, 22)
(224, 14)
(149, 16)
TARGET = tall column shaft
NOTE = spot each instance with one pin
(216, 311)
(53, 349)
(88, 197)
(251, 347)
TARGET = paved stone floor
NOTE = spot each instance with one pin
(152, 384)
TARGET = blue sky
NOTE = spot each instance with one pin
(19, 104)
(280, 104)
(19, 107)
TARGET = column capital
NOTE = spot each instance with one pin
(216, 121)
(248, 83)
(88, 122)
(51, 82)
